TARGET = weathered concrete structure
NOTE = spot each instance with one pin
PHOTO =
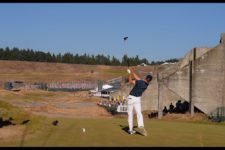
(198, 78)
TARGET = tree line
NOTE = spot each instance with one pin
(100, 59)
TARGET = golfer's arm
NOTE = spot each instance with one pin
(130, 80)
(136, 76)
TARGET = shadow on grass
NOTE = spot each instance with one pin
(126, 129)
(6, 122)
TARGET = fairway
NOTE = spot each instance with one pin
(110, 132)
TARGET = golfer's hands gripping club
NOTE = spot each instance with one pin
(128, 71)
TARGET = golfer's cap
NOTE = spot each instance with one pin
(149, 77)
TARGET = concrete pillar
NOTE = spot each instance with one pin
(194, 54)
(191, 108)
(222, 41)
(160, 97)
(191, 81)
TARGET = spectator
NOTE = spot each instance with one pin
(171, 107)
(165, 111)
(179, 106)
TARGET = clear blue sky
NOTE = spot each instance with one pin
(155, 31)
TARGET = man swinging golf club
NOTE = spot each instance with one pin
(134, 101)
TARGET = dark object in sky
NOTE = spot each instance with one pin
(55, 123)
(125, 38)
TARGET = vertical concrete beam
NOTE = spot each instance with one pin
(160, 98)
(191, 107)
(194, 54)
(223, 96)
(222, 41)
(191, 81)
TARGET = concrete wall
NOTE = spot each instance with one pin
(167, 96)
(189, 56)
(178, 82)
(208, 79)
(150, 96)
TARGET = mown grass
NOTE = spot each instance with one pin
(19, 116)
(39, 131)
(110, 133)
(7, 111)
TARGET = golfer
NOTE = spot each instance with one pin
(134, 101)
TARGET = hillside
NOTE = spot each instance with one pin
(51, 72)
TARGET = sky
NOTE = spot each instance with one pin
(155, 31)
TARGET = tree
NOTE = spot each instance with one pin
(54, 59)
(115, 61)
(67, 58)
(100, 59)
(124, 60)
(172, 60)
(144, 60)
(59, 58)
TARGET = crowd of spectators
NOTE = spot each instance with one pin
(180, 108)
(72, 85)
(112, 103)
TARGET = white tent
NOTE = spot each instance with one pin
(106, 86)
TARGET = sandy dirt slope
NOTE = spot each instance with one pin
(52, 72)
(64, 104)
(30, 72)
